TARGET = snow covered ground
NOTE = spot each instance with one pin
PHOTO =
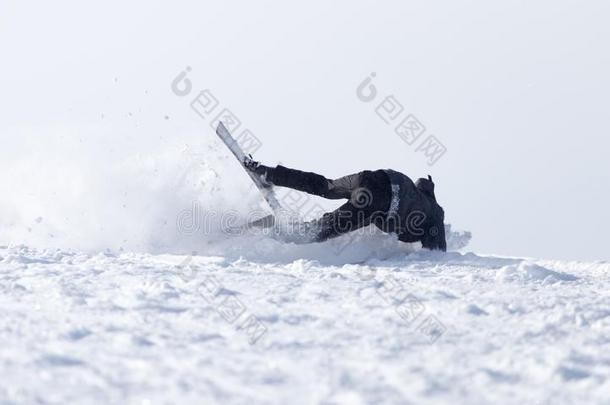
(405, 328)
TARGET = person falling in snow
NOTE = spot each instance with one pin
(386, 198)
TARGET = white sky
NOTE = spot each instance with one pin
(517, 91)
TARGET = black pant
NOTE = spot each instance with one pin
(369, 194)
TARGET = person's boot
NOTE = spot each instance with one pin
(255, 167)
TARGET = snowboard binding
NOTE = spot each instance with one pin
(255, 167)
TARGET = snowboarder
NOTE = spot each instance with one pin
(385, 198)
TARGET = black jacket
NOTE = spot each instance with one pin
(414, 213)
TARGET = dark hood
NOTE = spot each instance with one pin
(434, 237)
(426, 186)
(435, 234)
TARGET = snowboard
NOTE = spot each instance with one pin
(267, 192)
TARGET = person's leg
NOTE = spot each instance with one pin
(369, 203)
(313, 183)
(345, 219)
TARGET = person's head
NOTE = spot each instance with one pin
(434, 237)
(426, 186)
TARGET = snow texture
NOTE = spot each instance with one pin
(393, 327)
(202, 316)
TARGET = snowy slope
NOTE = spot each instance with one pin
(143, 328)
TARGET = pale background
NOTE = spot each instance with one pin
(517, 92)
